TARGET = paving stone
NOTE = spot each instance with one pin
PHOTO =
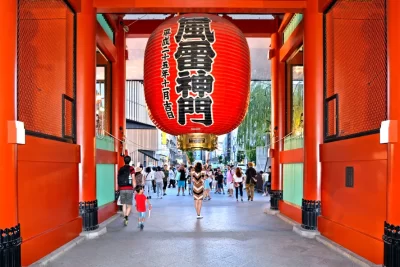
(233, 234)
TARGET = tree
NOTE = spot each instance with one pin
(220, 159)
(240, 156)
(252, 131)
(190, 156)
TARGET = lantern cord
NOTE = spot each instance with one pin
(277, 141)
(137, 20)
(127, 140)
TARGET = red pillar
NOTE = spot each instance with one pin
(393, 197)
(86, 94)
(276, 183)
(313, 113)
(118, 96)
(8, 110)
(281, 115)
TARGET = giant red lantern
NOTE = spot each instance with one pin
(197, 78)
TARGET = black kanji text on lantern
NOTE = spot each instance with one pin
(165, 73)
(194, 58)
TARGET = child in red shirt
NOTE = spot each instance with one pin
(141, 200)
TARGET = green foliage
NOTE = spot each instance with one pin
(190, 156)
(220, 159)
(252, 131)
(240, 156)
(297, 106)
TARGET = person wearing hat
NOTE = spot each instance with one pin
(139, 177)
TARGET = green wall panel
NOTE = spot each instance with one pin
(107, 143)
(105, 183)
(293, 183)
(293, 142)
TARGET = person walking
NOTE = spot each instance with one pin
(126, 185)
(251, 181)
(189, 181)
(198, 188)
(238, 183)
(141, 201)
(148, 177)
(182, 179)
(229, 180)
(165, 179)
(171, 177)
(158, 178)
(139, 178)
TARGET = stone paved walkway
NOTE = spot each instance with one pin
(231, 234)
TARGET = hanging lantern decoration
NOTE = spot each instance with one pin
(197, 78)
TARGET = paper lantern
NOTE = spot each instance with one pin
(197, 78)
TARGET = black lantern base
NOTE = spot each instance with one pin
(10, 247)
(88, 210)
(391, 249)
(311, 209)
(276, 195)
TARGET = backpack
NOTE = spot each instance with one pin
(123, 175)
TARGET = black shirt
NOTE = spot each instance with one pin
(183, 175)
(250, 173)
(220, 178)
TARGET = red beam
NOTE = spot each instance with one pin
(293, 43)
(200, 6)
(104, 43)
(323, 5)
(250, 28)
(112, 20)
(285, 21)
(75, 4)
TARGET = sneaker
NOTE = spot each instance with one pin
(199, 217)
(177, 195)
(138, 226)
(183, 195)
(126, 222)
(141, 226)
(242, 199)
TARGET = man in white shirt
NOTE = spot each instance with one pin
(172, 174)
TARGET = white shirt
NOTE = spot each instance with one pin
(149, 176)
(159, 176)
(238, 179)
(171, 175)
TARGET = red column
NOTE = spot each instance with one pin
(8, 155)
(313, 108)
(281, 115)
(85, 97)
(118, 96)
(276, 182)
(275, 111)
(393, 197)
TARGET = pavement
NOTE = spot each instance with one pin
(231, 233)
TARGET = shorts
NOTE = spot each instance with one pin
(230, 186)
(181, 183)
(142, 215)
(220, 185)
(126, 197)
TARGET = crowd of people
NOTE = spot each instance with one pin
(198, 181)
